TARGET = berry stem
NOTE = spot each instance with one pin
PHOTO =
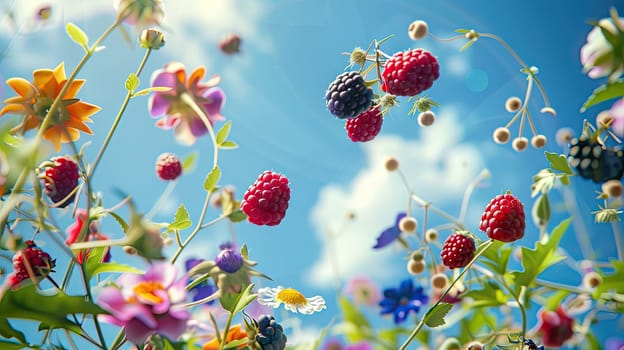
(163, 196)
(211, 297)
(226, 330)
(420, 324)
(188, 99)
(504, 43)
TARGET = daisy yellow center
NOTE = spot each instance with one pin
(291, 296)
(146, 290)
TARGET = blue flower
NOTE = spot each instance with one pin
(202, 290)
(402, 300)
(390, 234)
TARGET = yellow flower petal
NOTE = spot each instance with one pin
(73, 88)
(82, 109)
(13, 109)
(46, 83)
(22, 87)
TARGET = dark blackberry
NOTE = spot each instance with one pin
(531, 344)
(591, 161)
(348, 96)
(270, 334)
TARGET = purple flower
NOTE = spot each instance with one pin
(598, 56)
(178, 114)
(202, 290)
(147, 304)
(390, 234)
(402, 300)
(142, 13)
(614, 344)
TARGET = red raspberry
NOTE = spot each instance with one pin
(556, 327)
(168, 166)
(266, 200)
(365, 126)
(503, 218)
(410, 72)
(458, 250)
(31, 258)
(60, 179)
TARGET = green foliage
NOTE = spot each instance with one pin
(535, 261)
(188, 163)
(132, 82)
(237, 216)
(541, 210)
(543, 182)
(77, 35)
(435, 317)
(613, 282)
(480, 321)
(224, 132)
(489, 295)
(49, 309)
(182, 219)
(236, 302)
(559, 162)
(355, 326)
(497, 257)
(555, 299)
(603, 93)
(212, 179)
(94, 265)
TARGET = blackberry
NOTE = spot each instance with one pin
(591, 161)
(348, 96)
(531, 344)
(270, 334)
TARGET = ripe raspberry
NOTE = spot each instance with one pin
(365, 126)
(593, 162)
(60, 179)
(266, 200)
(168, 166)
(556, 327)
(270, 334)
(410, 72)
(503, 218)
(30, 259)
(348, 96)
(458, 250)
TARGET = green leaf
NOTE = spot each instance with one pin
(352, 332)
(228, 145)
(120, 221)
(603, 93)
(613, 282)
(468, 45)
(212, 179)
(559, 162)
(535, 261)
(7, 345)
(77, 35)
(51, 309)
(235, 343)
(497, 257)
(435, 317)
(7, 331)
(351, 313)
(554, 301)
(237, 216)
(223, 133)
(132, 82)
(182, 219)
(188, 163)
(490, 295)
(590, 342)
(541, 211)
(391, 336)
(94, 265)
(543, 182)
(482, 321)
(150, 89)
(236, 302)
(462, 31)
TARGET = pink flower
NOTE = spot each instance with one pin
(178, 114)
(556, 327)
(142, 13)
(597, 54)
(617, 113)
(73, 231)
(363, 291)
(147, 304)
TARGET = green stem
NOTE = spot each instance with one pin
(226, 330)
(420, 324)
(559, 286)
(188, 99)
(520, 305)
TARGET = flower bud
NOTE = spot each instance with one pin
(230, 44)
(431, 235)
(417, 30)
(613, 188)
(152, 39)
(563, 136)
(604, 119)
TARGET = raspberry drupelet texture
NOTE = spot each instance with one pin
(270, 334)
(60, 179)
(365, 126)
(30, 259)
(410, 72)
(457, 251)
(266, 200)
(348, 96)
(168, 167)
(503, 218)
(591, 161)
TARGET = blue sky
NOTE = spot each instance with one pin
(275, 87)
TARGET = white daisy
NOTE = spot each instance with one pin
(292, 299)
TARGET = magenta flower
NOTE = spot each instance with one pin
(617, 113)
(598, 56)
(147, 304)
(178, 113)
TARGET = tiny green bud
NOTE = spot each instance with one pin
(152, 39)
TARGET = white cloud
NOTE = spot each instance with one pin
(438, 167)
(457, 65)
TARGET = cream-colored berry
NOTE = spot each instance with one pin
(426, 118)
(549, 110)
(417, 256)
(520, 144)
(391, 164)
(613, 188)
(564, 136)
(538, 141)
(167, 241)
(415, 267)
(417, 30)
(592, 280)
(513, 104)
(604, 119)
(129, 250)
(439, 281)
(475, 345)
(408, 224)
(431, 235)
(501, 135)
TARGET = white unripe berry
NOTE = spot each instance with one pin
(415, 267)
(520, 144)
(564, 136)
(439, 281)
(501, 135)
(604, 119)
(549, 110)
(475, 345)
(513, 104)
(592, 280)
(613, 188)
(417, 30)
(538, 141)
(431, 235)
(426, 118)
(408, 224)
(391, 164)
(129, 250)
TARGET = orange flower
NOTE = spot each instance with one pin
(235, 333)
(34, 99)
